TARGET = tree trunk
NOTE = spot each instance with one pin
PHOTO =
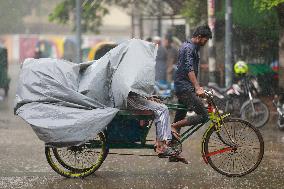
(281, 59)
(280, 11)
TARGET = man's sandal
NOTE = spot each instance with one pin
(167, 152)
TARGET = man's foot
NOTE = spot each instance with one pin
(166, 152)
(175, 127)
(176, 135)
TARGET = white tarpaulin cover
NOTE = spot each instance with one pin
(68, 103)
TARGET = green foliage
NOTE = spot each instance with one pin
(195, 11)
(247, 18)
(266, 4)
(61, 12)
(91, 17)
(245, 12)
(255, 33)
(94, 10)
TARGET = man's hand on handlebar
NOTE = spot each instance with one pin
(200, 92)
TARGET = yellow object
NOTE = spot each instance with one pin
(241, 67)
(98, 46)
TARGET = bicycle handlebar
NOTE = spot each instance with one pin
(208, 94)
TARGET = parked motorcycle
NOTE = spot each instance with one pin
(279, 104)
(240, 100)
(164, 90)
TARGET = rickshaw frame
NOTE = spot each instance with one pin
(218, 123)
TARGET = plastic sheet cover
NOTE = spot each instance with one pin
(68, 103)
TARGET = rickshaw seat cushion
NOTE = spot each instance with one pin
(142, 112)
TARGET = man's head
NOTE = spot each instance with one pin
(149, 39)
(157, 40)
(168, 40)
(201, 35)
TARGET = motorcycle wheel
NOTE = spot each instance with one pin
(280, 122)
(257, 118)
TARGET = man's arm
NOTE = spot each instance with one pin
(170, 64)
(199, 90)
(172, 60)
(191, 75)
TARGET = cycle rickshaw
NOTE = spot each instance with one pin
(232, 147)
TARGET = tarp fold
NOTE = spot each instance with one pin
(68, 104)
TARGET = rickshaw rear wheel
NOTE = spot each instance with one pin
(78, 161)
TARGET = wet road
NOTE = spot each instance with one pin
(23, 163)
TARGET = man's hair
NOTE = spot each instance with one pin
(203, 31)
(149, 39)
(169, 37)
